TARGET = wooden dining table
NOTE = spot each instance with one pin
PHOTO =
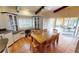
(41, 37)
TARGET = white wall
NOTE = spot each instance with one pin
(4, 21)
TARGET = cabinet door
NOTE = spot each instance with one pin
(15, 37)
(18, 36)
(10, 38)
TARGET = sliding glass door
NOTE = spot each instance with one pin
(70, 25)
(67, 25)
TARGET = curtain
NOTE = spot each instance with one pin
(24, 22)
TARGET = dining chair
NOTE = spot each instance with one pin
(55, 30)
(27, 33)
(45, 30)
(51, 42)
(57, 38)
(35, 46)
(47, 44)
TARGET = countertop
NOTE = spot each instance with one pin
(5, 32)
(3, 44)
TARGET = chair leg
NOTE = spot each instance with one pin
(57, 41)
(54, 44)
(45, 48)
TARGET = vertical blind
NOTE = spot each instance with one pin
(25, 22)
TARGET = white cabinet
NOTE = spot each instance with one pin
(10, 38)
(18, 36)
(8, 35)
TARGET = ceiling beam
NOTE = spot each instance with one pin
(42, 7)
(8, 13)
(57, 10)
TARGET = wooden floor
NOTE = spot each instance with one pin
(67, 44)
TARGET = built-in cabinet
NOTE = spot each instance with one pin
(12, 37)
(18, 36)
(9, 36)
(8, 21)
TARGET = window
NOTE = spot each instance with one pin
(59, 22)
(70, 21)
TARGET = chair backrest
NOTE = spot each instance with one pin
(45, 30)
(57, 35)
(55, 30)
(53, 37)
(27, 32)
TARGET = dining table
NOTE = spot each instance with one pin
(41, 37)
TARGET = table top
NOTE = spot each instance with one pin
(41, 37)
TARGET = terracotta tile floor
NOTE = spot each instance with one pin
(66, 45)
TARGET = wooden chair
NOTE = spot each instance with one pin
(57, 38)
(47, 44)
(45, 30)
(54, 39)
(55, 30)
(35, 46)
(27, 33)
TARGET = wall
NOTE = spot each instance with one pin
(4, 21)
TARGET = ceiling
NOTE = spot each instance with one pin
(51, 8)
(35, 8)
(30, 10)
(46, 11)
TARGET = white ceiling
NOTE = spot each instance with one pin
(52, 8)
(30, 8)
(35, 8)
